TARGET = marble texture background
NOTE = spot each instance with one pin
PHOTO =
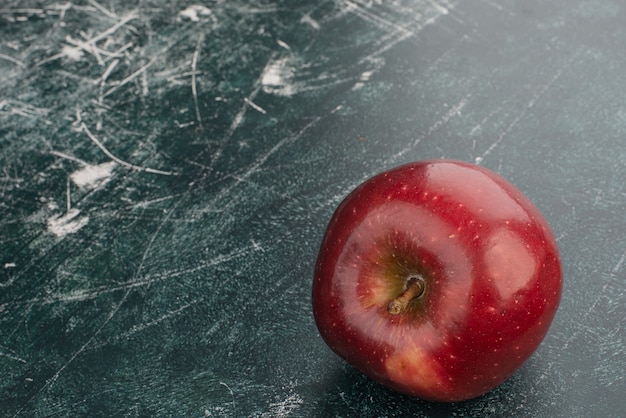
(167, 170)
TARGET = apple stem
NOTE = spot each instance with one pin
(414, 289)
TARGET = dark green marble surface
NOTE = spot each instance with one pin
(167, 170)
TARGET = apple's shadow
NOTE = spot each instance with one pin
(346, 393)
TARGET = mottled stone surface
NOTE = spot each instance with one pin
(167, 170)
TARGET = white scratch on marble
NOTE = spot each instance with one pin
(255, 106)
(194, 89)
(103, 10)
(454, 111)
(283, 44)
(539, 92)
(285, 407)
(619, 264)
(130, 77)
(119, 161)
(13, 60)
(310, 21)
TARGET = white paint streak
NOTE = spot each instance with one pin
(277, 76)
(72, 52)
(93, 176)
(69, 223)
(195, 12)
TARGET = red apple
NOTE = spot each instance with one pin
(437, 279)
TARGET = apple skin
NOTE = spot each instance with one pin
(491, 270)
